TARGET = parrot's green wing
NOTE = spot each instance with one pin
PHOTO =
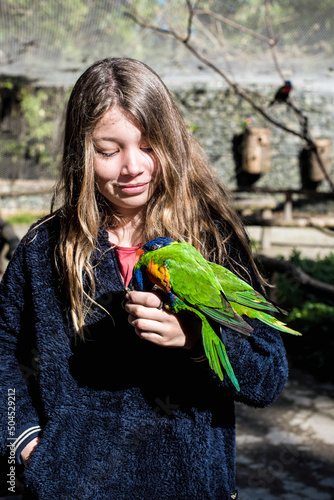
(189, 283)
(237, 323)
(239, 291)
(246, 301)
(180, 268)
(192, 280)
(208, 291)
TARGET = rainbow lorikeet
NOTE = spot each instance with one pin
(282, 93)
(207, 290)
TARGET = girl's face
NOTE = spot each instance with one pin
(125, 165)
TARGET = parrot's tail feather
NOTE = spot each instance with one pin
(214, 362)
(216, 354)
(280, 309)
(265, 318)
(226, 364)
(235, 289)
(275, 323)
(233, 321)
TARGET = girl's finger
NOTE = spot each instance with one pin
(154, 314)
(147, 325)
(147, 299)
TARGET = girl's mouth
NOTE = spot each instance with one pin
(132, 188)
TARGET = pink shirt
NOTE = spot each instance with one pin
(126, 259)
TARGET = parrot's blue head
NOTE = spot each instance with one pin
(140, 280)
(288, 84)
(160, 242)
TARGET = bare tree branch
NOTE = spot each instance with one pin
(217, 40)
(145, 25)
(271, 35)
(304, 134)
(296, 274)
(190, 20)
(224, 48)
(300, 115)
(237, 26)
(237, 89)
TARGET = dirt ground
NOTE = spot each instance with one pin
(286, 451)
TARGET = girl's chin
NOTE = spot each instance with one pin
(124, 208)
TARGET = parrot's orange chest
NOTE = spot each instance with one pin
(159, 275)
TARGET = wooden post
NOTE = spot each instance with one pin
(256, 146)
(265, 239)
(311, 173)
(288, 206)
(324, 151)
(251, 154)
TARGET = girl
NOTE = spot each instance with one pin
(120, 402)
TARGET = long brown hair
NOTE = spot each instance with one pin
(187, 200)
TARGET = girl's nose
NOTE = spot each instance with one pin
(132, 163)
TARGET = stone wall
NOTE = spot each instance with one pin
(212, 112)
(219, 114)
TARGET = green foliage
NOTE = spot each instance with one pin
(305, 25)
(32, 146)
(24, 217)
(321, 269)
(312, 316)
(314, 352)
(82, 30)
(7, 84)
(41, 126)
(323, 313)
(73, 32)
(37, 114)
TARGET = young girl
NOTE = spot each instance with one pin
(113, 396)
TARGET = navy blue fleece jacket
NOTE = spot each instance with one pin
(118, 417)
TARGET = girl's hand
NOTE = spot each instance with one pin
(28, 450)
(159, 326)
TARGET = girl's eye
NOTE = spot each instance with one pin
(106, 155)
(147, 150)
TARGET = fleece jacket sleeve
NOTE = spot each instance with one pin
(19, 422)
(259, 363)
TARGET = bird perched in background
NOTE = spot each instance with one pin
(192, 128)
(282, 93)
(247, 121)
(207, 290)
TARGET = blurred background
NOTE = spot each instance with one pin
(254, 82)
